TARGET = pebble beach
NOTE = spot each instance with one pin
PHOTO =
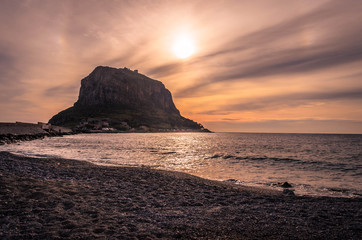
(53, 198)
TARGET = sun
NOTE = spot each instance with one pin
(183, 46)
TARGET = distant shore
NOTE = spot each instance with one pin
(56, 198)
(15, 132)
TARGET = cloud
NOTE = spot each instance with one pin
(6, 63)
(231, 119)
(221, 111)
(165, 69)
(11, 76)
(289, 126)
(61, 91)
(321, 39)
(294, 100)
(284, 101)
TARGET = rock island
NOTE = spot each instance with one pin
(119, 99)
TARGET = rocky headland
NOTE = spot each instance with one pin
(119, 99)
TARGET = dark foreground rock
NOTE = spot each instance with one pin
(66, 199)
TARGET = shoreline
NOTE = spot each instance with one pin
(14, 138)
(19, 131)
(57, 198)
(296, 187)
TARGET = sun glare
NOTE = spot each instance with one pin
(183, 46)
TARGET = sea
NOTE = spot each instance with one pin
(314, 164)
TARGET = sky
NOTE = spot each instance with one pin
(254, 66)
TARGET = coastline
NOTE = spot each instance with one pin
(18, 131)
(57, 198)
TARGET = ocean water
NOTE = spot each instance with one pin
(314, 164)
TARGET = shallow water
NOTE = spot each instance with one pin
(315, 164)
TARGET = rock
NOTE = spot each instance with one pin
(285, 185)
(111, 86)
(231, 180)
(288, 192)
(123, 99)
(282, 184)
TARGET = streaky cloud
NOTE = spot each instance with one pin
(283, 126)
(286, 101)
(165, 69)
(336, 48)
(295, 99)
(61, 90)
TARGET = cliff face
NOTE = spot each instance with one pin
(107, 86)
(124, 100)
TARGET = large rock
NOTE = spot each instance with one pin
(110, 86)
(123, 99)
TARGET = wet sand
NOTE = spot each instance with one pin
(67, 199)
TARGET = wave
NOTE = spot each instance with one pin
(312, 165)
(167, 153)
(253, 158)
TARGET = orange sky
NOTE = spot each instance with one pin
(258, 66)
